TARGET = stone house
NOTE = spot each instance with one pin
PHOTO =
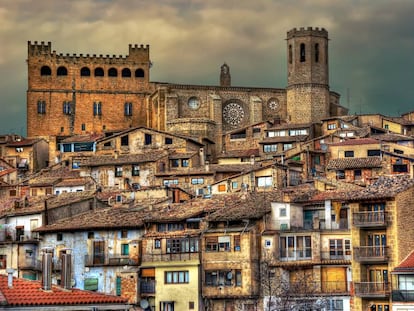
(382, 237)
(402, 284)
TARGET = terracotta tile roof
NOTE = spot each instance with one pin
(407, 265)
(151, 156)
(26, 293)
(239, 153)
(399, 120)
(50, 176)
(23, 142)
(384, 187)
(360, 141)
(352, 163)
(82, 138)
(391, 137)
(234, 168)
(70, 182)
(181, 155)
(100, 218)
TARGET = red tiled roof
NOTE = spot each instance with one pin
(407, 265)
(29, 293)
(23, 142)
(353, 163)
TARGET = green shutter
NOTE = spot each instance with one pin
(118, 286)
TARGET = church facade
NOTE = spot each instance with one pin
(83, 94)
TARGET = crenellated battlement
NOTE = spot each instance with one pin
(308, 31)
(137, 53)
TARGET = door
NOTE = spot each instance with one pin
(98, 252)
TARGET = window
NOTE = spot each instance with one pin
(91, 235)
(62, 71)
(169, 182)
(124, 249)
(59, 237)
(316, 52)
(135, 170)
(235, 185)
(128, 109)
(282, 212)
(118, 171)
(270, 148)
(287, 146)
(238, 277)
(99, 72)
(185, 163)
(112, 72)
(168, 140)
(237, 246)
(175, 163)
(41, 107)
(211, 244)
(124, 234)
(125, 140)
(148, 139)
(222, 188)
(265, 181)
(290, 54)
(85, 72)
(340, 174)
(139, 73)
(97, 108)
(349, 154)
(45, 71)
(302, 53)
(221, 277)
(169, 227)
(373, 153)
(83, 127)
(157, 243)
(90, 284)
(268, 243)
(331, 126)
(191, 305)
(336, 249)
(177, 277)
(357, 174)
(400, 168)
(126, 73)
(66, 107)
(297, 132)
(224, 243)
(3, 261)
(197, 181)
(295, 247)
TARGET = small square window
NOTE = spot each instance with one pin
(124, 234)
(157, 243)
(282, 212)
(91, 235)
(59, 236)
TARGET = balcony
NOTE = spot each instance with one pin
(370, 219)
(30, 264)
(372, 289)
(403, 295)
(371, 254)
(170, 257)
(147, 287)
(336, 255)
(110, 260)
(10, 235)
(297, 254)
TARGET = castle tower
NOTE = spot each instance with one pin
(308, 75)
(225, 78)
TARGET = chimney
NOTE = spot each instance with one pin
(66, 274)
(202, 156)
(10, 272)
(47, 258)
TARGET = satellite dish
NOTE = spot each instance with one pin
(229, 276)
(144, 304)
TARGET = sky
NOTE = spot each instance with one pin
(371, 46)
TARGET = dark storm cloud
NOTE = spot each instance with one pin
(371, 44)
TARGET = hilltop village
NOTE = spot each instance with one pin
(197, 197)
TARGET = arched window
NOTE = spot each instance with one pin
(99, 72)
(317, 53)
(126, 73)
(112, 72)
(139, 73)
(85, 72)
(45, 71)
(290, 53)
(62, 71)
(302, 53)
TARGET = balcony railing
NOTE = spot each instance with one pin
(147, 287)
(403, 295)
(170, 256)
(110, 260)
(372, 289)
(370, 219)
(371, 253)
(297, 254)
(336, 255)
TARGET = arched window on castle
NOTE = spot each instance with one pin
(317, 53)
(290, 53)
(302, 53)
(139, 73)
(85, 72)
(45, 71)
(62, 71)
(126, 73)
(99, 72)
(112, 72)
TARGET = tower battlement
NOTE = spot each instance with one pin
(137, 52)
(308, 31)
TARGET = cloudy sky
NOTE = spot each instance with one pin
(371, 45)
